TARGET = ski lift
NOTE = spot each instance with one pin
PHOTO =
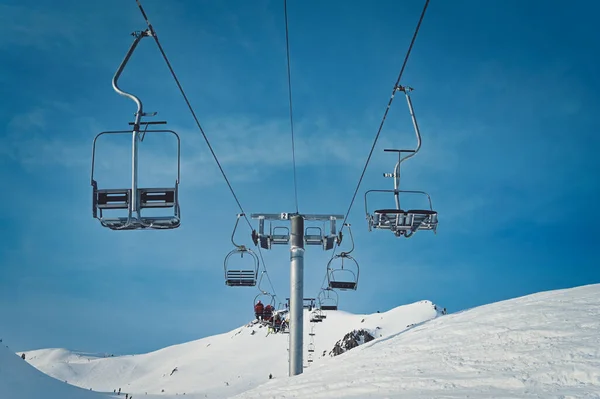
(314, 235)
(282, 308)
(135, 199)
(307, 303)
(328, 299)
(343, 270)
(402, 222)
(265, 296)
(311, 346)
(316, 316)
(238, 275)
(277, 234)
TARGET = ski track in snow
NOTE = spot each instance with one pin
(545, 345)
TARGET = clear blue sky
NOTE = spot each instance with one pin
(506, 94)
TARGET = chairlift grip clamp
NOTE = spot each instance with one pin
(404, 89)
(138, 33)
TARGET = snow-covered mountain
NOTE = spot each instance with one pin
(222, 365)
(19, 380)
(545, 345)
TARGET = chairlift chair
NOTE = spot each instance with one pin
(236, 274)
(135, 199)
(278, 235)
(328, 299)
(266, 298)
(343, 276)
(343, 269)
(316, 316)
(241, 276)
(314, 235)
(402, 222)
(307, 303)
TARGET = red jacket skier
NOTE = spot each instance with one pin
(258, 310)
(268, 313)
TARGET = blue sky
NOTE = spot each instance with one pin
(506, 95)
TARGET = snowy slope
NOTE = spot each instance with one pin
(221, 365)
(545, 345)
(20, 380)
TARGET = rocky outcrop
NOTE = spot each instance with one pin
(351, 340)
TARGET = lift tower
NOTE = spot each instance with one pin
(297, 237)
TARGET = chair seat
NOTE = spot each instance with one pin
(421, 212)
(392, 211)
(157, 197)
(112, 198)
(342, 285)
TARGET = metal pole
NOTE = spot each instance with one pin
(134, 166)
(415, 125)
(136, 124)
(296, 294)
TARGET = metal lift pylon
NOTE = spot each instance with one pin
(296, 238)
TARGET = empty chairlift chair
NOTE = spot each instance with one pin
(328, 299)
(238, 274)
(134, 200)
(307, 303)
(314, 235)
(343, 276)
(240, 271)
(281, 234)
(343, 269)
(402, 222)
(105, 200)
(399, 221)
(277, 235)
